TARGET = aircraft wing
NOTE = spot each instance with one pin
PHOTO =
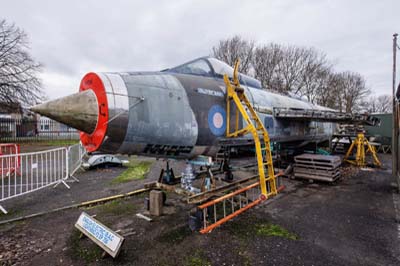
(325, 116)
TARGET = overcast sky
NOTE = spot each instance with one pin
(71, 38)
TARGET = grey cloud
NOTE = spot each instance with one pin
(74, 37)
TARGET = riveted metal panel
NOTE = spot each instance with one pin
(163, 118)
(118, 109)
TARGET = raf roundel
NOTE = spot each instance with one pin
(217, 120)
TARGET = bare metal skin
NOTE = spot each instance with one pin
(175, 113)
(79, 110)
(179, 112)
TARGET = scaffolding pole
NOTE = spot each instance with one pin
(395, 131)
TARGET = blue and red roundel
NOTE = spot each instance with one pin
(217, 120)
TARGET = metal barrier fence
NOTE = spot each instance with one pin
(75, 156)
(22, 173)
(20, 130)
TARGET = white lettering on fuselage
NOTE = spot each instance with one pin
(210, 92)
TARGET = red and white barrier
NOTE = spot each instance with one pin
(10, 164)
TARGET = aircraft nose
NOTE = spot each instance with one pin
(79, 110)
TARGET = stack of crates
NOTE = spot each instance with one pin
(317, 167)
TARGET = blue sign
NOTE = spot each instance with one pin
(217, 120)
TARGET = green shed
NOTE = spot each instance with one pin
(384, 131)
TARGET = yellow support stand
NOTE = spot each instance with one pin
(359, 143)
(254, 126)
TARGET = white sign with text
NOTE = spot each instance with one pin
(103, 236)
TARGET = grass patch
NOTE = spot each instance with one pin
(198, 259)
(176, 235)
(12, 213)
(135, 171)
(241, 229)
(245, 229)
(116, 207)
(83, 248)
(274, 230)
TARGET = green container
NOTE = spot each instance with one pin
(384, 131)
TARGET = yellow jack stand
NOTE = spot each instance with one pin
(359, 143)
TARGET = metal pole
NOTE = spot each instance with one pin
(394, 116)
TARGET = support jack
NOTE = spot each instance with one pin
(359, 145)
(167, 176)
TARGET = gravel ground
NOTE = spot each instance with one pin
(352, 222)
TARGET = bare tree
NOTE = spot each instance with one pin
(298, 70)
(266, 61)
(314, 75)
(285, 68)
(329, 95)
(292, 67)
(351, 91)
(384, 104)
(230, 49)
(18, 71)
(370, 105)
(381, 104)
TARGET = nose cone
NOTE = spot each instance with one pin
(79, 110)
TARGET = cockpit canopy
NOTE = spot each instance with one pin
(212, 67)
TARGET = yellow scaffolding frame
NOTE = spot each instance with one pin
(254, 126)
(220, 210)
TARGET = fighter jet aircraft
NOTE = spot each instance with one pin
(178, 112)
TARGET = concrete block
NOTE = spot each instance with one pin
(156, 202)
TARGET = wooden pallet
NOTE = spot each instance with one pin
(331, 173)
(318, 158)
(317, 167)
(318, 177)
(320, 161)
